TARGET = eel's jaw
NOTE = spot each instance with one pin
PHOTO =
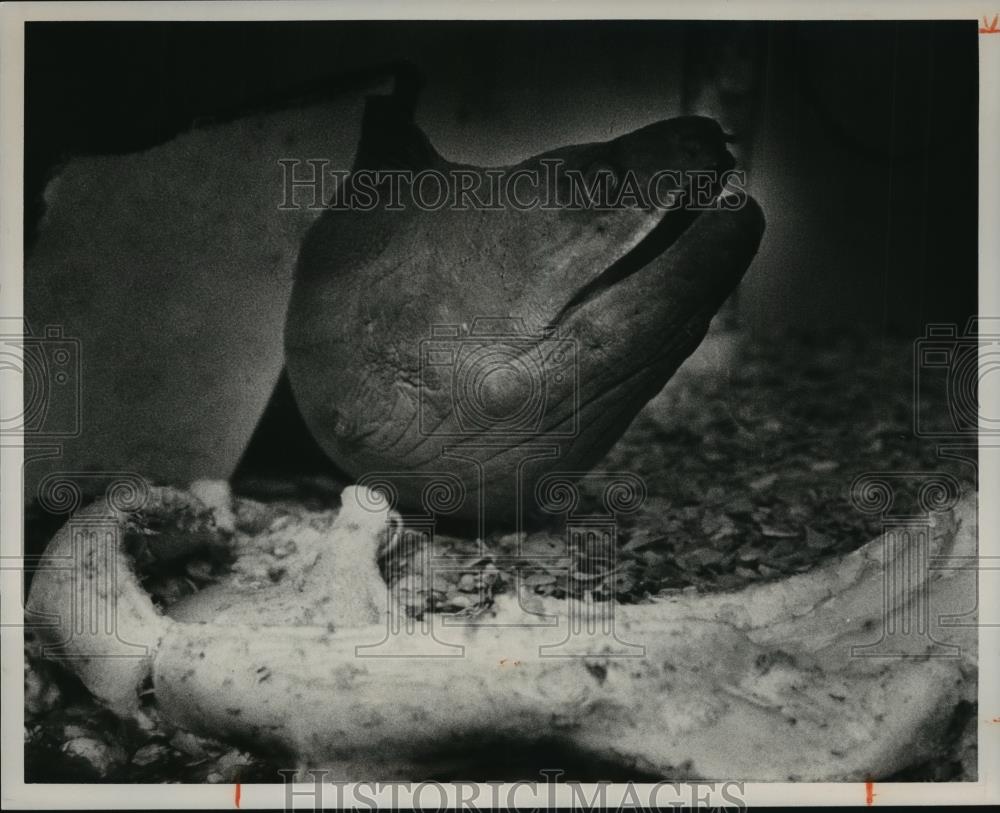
(630, 333)
(657, 241)
(638, 322)
(634, 324)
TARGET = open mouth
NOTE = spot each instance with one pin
(671, 226)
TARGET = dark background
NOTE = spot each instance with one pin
(861, 138)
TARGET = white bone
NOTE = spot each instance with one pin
(759, 684)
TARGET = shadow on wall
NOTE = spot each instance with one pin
(866, 162)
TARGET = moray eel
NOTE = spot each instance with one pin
(490, 346)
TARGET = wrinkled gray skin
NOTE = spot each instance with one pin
(629, 302)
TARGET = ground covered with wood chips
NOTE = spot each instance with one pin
(748, 468)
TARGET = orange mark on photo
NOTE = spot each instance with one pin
(991, 27)
(869, 792)
(237, 794)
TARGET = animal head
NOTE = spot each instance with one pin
(515, 331)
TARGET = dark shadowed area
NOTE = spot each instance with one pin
(861, 138)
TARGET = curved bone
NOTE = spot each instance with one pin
(759, 685)
(338, 583)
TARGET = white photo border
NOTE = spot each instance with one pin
(18, 795)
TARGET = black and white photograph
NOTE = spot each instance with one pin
(453, 405)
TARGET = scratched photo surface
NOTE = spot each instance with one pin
(500, 401)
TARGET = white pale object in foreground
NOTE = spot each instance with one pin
(759, 684)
